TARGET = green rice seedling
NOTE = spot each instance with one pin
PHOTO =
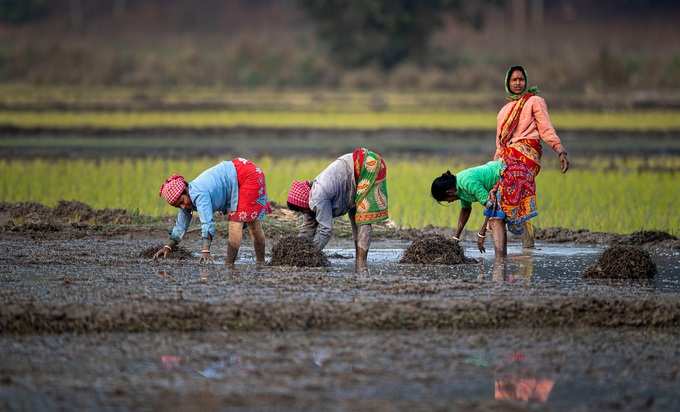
(624, 198)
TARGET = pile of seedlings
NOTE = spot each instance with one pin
(297, 251)
(435, 250)
(622, 262)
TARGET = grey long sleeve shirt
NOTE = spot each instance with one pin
(332, 195)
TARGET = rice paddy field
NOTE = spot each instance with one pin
(447, 120)
(89, 321)
(612, 196)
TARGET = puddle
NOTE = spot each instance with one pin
(558, 369)
(556, 266)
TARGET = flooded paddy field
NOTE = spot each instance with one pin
(87, 322)
(514, 369)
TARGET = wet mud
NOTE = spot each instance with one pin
(623, 262)
(178, 252)
(523, 369)
(649, 239)
(297, 251)
(435, 250)
(64, 212)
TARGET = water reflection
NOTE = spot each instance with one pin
(515, 380)
(515, 269)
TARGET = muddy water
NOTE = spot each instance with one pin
(483, 370)
(103, 285)
(524, 334)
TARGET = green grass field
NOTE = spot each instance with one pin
(453, 120)
(622, 199)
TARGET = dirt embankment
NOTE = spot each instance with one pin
(182, 315)
(73, 219)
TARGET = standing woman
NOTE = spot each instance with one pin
(353, 184)
(237, 189)
(521, 125)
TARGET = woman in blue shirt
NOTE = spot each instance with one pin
(237, 189)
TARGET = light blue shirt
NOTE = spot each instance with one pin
(214, 190)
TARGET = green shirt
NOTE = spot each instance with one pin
(474, 184)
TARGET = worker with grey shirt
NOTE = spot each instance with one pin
(333, 193)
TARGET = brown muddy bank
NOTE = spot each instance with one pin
(75, 220)
(182, 315)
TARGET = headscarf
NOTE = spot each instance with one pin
(298, 195)
(511, 95)
(172, 188)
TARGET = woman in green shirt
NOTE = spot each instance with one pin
(505, 188)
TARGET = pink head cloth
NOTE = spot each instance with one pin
(172, 188)
(298, 195)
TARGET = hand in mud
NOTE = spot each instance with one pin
(564, 162)
(480, 243)
(205, 259)
(162, 253)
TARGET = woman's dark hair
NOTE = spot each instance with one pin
(441, 184)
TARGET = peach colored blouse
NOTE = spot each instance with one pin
(534, 123)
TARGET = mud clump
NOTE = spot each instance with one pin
(64, 213)
(178, 252)
(646, 236)
(297, 251)
(435, 250)
(622, 262)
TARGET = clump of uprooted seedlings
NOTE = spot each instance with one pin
(435, 250)
(622, 262)
(178, 252)
(297, 251)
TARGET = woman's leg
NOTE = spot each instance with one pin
(234, 243)
(500, 239)
(528, 236)
(256, 232)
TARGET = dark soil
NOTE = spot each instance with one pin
(645, 236)
(435, 250)
(297, 251)
(178, 252)
(623, 262)
(66, 212)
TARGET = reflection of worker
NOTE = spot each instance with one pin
(521, 384)
(236, 188)
(505, 187)
(354, 184)
(520, 126)
(523, 389)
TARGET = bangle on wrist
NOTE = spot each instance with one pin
(456, 238)
(205, 251)
(481, 235)
(167, 247)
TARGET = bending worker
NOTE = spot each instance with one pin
(353, 184)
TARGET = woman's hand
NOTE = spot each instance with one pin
(162, 252)
(564, 162)
(205, 258)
